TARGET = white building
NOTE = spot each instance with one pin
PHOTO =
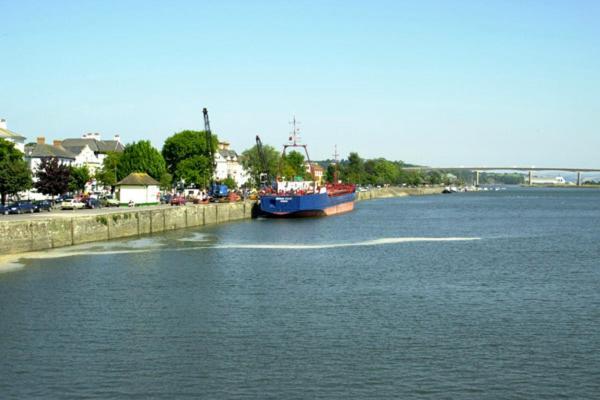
(90, 150)
(12, 137)
(34, 153)
(228, 165)
(138, 189)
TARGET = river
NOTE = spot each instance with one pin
(479, 295)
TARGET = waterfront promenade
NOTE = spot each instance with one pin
(35, 232)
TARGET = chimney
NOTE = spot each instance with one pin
(3, 124)
(57, 143)
(41, 140)
(91, 135)
(118, 138)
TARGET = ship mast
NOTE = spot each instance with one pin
(336, 164)
(294, 141)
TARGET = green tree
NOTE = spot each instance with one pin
(435, 178)
(229, 182)
(354, 168)
(186, 145)
(52, 177)
(381, 171)
(194, 170)
(251, 162)
(414, 178)
(108, 173)
(293, 166)
(15, 175)
(78, 178)
(330, 173)
(141, 157)
(166, 181)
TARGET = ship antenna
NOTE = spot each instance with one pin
(335, 163)
(294, 136)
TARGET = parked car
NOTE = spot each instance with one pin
(42, 205)
(166, 198)
(109, 201)
(20, 207)
(71, 204)
(4, 209)
(178, 201)
(93, 203)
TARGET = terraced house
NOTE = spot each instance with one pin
(35, 152)
(90, 150)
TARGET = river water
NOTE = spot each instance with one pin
(480, 296)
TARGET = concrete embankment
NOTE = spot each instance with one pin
(397, 192)
(61, 229)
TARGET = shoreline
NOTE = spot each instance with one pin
(34, 236)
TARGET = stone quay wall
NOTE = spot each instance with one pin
(393, 191)
(59, 230)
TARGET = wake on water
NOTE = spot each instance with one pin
(375, 242)
(151, 245)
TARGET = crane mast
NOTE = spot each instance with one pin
(264, 173)
(209, 150)
(208, 137)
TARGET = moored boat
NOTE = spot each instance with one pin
(306, 198)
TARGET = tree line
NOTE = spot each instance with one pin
(185, 159)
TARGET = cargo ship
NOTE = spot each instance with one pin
(302, 198)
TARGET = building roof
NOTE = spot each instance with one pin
(110, 145)
(6, 134)
(138, 179)
(227, 153)
(97, 146)
(74, 149)
(38, 150)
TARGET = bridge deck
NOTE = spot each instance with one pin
(569, 169)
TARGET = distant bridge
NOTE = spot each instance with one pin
(478, 169)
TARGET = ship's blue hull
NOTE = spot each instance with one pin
(306, 205)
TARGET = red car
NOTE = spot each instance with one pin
(178, 201)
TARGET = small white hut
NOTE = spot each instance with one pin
(138, 189)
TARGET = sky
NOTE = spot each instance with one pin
(439, 83)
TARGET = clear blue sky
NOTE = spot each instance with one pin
(429, 82)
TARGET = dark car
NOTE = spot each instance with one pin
(166, 199)
(3, 209)
(93, 203)
(21, 207)
(43, 205)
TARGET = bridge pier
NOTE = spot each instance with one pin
(476, 178)
(578, 178)
(530, 178)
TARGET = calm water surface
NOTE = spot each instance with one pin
(353, 306)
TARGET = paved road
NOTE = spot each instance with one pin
(73, 213)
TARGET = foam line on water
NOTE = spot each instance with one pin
(196, 237)
(375, 242)
(8, 263)
(12, 262)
